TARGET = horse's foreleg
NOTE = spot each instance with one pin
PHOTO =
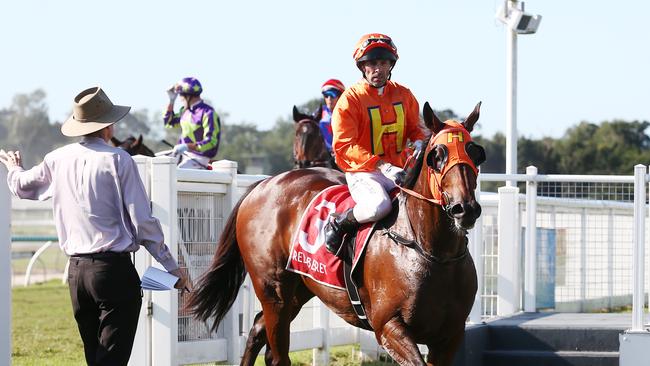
(399, 344)
(256, 340)
(443, 353)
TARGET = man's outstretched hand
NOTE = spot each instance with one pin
(11, 159)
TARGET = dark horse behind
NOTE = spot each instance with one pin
(133, 145)
(417, 283)
(309, 149)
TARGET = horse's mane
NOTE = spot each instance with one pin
(412, 174)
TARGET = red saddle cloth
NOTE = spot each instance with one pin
(309, 256)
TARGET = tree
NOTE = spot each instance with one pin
(539, 153)
(28, 129)
(495, 152)
(240, 143)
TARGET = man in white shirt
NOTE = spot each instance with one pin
(102, 215)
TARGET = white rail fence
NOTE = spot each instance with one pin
(576, 257)
(556, 242)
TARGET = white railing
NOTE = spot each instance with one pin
(598, 220)
(592, 227)
(584, 224)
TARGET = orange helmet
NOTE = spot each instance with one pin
(375, 46)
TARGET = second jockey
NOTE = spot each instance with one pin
(200, 125)
(331, 90)
(371, 124)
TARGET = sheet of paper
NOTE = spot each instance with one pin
(158, 280)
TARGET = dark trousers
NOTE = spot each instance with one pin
(106, 299)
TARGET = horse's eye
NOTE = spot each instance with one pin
(437, 157)
(475, 152)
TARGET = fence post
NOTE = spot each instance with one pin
(231, 321)
(476, 250)
(164, 202)
(583, 259)
(321, 355)
(508, 291)
(141, 355)
(634, 343)
(638, 286)
(232, 197)
(610, 258)
(5, 266)
(530, 254)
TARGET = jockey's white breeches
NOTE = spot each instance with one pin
(196, 161)
(369, 191)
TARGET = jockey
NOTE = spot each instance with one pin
(200, 125)
(331, 90)
(371, 124)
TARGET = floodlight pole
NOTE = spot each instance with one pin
(511, 97)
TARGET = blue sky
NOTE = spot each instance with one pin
(589, 60)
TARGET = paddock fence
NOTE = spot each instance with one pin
(545, 243)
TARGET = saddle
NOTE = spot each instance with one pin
(310, 258)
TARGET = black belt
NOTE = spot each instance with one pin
(103, 255)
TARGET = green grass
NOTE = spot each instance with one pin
(44, 331)
(339, 356)
(52, 259)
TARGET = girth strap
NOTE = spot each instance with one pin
(351, 287)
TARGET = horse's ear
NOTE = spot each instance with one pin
(318, 113)
(137, 142)
(115, 141)
(432, 121)
(472, 118)
(296, 114)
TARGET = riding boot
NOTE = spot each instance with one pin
(336, 228)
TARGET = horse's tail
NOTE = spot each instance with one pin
(216, 290)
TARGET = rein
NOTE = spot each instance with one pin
(413, 244)
(444, 201)
(445, 204)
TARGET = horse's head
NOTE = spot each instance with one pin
(309, 147)
(452, 160)
(132, 145)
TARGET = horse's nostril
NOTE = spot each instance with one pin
(457, 210)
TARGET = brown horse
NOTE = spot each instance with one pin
(309, 149)
(133, 146)
(418, 280)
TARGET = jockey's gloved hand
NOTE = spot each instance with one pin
(392, 172)
(179, 149)
(418, 145)
(171, 93)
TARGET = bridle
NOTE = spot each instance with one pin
(456, 135)
(435, 174)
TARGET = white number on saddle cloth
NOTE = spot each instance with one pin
(319, 224)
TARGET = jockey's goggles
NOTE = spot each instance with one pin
(370, 41)
(331, 93)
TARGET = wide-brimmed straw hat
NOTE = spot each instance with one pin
(92, 111)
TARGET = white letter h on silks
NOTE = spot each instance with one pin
(319, 224)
